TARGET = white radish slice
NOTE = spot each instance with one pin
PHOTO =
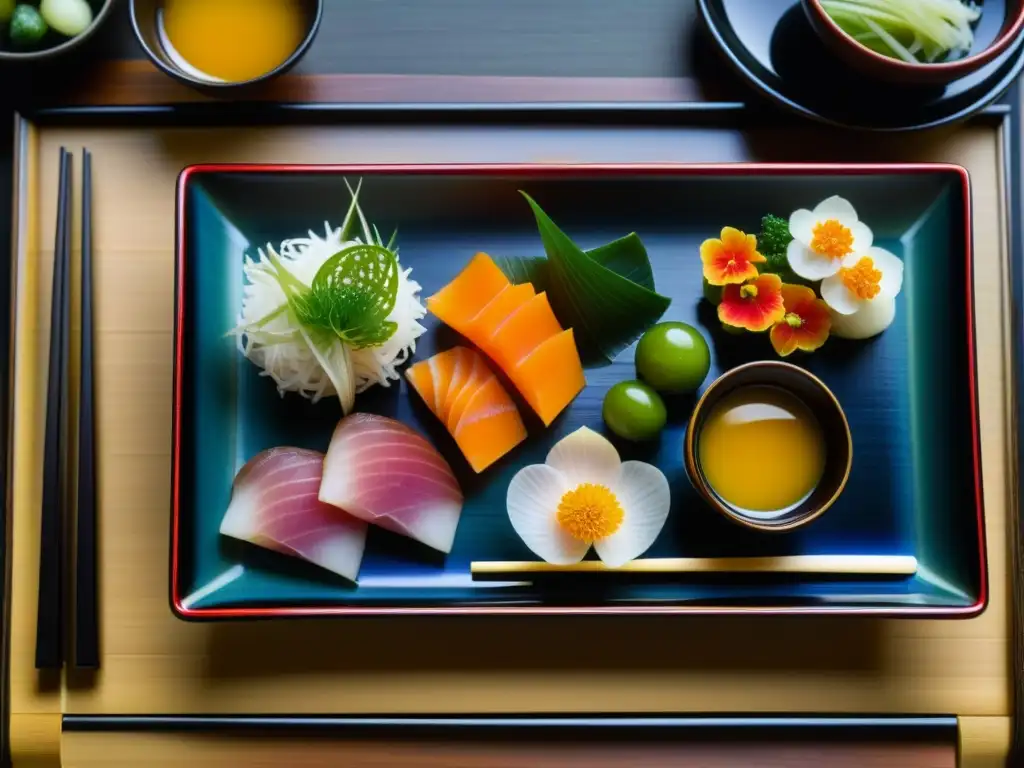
(873, 318)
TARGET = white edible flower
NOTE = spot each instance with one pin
(822, 238)
(863, 277)
(583, 496)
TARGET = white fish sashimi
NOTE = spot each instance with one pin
(387, 474)
(275, 505)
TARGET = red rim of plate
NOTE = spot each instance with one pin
(680, 169)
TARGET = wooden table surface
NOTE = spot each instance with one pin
(455, 50)
(434, 50)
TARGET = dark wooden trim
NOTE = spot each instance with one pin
(1014, 169)
(892, 728)
(574, 742)
(133, 82)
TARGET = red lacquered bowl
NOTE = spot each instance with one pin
(882, 67)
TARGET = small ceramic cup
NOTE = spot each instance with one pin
(145, 16)
(813, 393)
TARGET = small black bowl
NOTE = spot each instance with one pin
(835, 429)
(54, 45)
(145, 16)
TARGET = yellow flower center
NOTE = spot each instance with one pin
(792, 320)
(748, 291)
(862, 279)
(589, 512)
(832, 239)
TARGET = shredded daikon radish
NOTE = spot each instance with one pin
(910, 30)
(269, 336)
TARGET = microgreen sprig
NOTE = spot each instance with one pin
(352, 295)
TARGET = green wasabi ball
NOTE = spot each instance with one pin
(634, 411)
(27, 26)
(69, 17)
(673, 357)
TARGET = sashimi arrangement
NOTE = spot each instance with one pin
(334, 315)
(337, 315)
(275, 503)
(385, 473)
(461, 390)
(377, 471)
(518, 330)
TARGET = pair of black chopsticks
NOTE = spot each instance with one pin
(57, 527)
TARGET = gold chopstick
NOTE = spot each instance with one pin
(843, 565)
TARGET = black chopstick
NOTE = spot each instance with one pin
(87, 651)
(52, 554)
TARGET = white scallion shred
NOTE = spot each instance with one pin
(911, 30)
(282, 350)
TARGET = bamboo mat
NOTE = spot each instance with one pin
(153, 663)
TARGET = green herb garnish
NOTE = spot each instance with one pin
(605, 295)
(352, 295)
(345, 308)
(773, 243)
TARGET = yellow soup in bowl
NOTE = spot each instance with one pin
(232, 40)
(768, 446)
(762, 450)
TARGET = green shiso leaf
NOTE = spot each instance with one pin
(352, 295)
(525, 269)
(605, 295)
(625, 256)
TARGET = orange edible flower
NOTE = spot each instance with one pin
(756, 305)
(832, 239)
(731, 259)
(862, 279)
(805, 324)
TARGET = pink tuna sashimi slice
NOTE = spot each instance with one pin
(274, 505)
(387, 474)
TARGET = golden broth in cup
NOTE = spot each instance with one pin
(231, 40)
(761, 450)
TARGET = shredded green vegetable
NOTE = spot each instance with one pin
(914, 31)
(345, 308)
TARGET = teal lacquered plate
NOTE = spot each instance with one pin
(909, 394)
